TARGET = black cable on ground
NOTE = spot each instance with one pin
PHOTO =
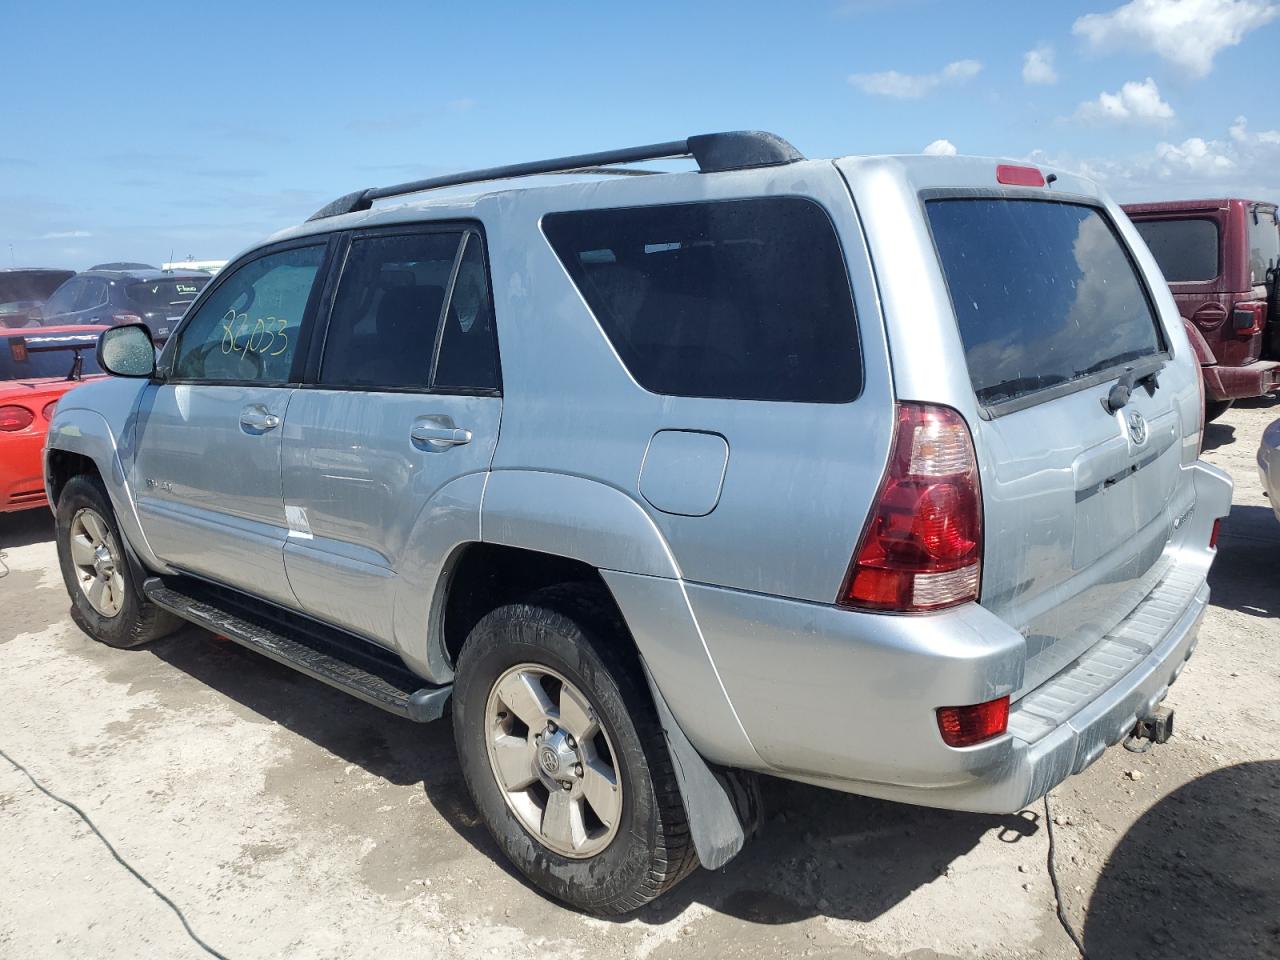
(1057, 889)
(119, 859)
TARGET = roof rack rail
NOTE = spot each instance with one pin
(714, 152)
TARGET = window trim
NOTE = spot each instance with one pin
(1141, 366)
(1182, 218)
(168, 352)
(699, 201)
(464, 227)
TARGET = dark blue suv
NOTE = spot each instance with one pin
(157, 298)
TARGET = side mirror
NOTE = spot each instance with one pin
(127, 351)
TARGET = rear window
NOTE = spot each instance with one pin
(1187, 250)
(169, 298)
(1044, 293)
(46, 355)
(739, 299)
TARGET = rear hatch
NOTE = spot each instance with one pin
(1078, 502)
(161, 303)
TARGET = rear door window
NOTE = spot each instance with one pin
(386, 315)
(64, 298)
(92, 294)
(1186, 250)
(1264, 243)
(469, 344)
(740, 299)
(1045, 293)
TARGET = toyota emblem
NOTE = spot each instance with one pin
(1137, 428)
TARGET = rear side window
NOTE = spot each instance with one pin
(1044, 293)
(1264, 243)
(739, 299)
(1187, 250)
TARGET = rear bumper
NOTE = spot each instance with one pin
(846, 700)
(1236, 383)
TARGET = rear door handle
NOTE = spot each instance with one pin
(439, 435)
(257, 418)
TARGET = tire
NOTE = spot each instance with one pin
(83, 506)
(571, 634)
(1213, 409)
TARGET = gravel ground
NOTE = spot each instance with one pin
(286, 819)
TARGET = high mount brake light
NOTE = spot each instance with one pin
(922, 545)
(1015, 176)
(14, 417)
(965, 726)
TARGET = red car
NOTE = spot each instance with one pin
(37, 366)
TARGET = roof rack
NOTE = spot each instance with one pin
(714, 152)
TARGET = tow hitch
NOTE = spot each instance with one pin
(1157, 728)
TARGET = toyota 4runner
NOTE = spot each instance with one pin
(876, 473)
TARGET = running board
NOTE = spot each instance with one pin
(323, 657)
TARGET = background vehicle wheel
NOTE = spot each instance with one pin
(106, 603)
(1213, 409)
(563, 754)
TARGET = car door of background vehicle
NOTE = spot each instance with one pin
(207, 471)
(61, 302)
(406, 399)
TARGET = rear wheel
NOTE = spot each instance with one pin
(1213, 409)
(563, 754)
(105, 601)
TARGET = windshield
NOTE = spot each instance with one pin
(168, 297)
(1044, 293)
(1264, 243)
(35, 356)
(1186, 250)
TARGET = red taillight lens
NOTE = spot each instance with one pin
(1249, 318)
(1213, 536)
(1015, 176)
(965, 726)
(13, 417)
(922, 546)
(49, 409)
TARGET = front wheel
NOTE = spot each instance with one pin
(563, 754)
(105, 602)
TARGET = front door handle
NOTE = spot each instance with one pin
(257, 418)
(439, 435)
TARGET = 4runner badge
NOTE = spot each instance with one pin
(1137, 428)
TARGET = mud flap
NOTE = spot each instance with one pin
(723, 806)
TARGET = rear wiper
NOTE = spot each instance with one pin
(1118, 396)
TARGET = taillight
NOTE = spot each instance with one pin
(965, 726)
(1016, 176)
(49, 409)
(1249, 318)
(922, 546)
(13, 417)
(1213, 535)
(119, 318)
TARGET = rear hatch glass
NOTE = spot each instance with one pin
(169, 297)
(1046, 296)
(37, 355)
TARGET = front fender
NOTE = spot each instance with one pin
(88, 433)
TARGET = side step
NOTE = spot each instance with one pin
(328, 656)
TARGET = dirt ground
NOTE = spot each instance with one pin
(286, 819)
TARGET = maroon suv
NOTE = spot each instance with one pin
(1220, 259)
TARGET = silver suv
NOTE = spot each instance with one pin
(877, 473)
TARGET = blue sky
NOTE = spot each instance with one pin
(198, 129)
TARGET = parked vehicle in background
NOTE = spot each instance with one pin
(23, 290)
(1269, 465)
(157, 298)
(667, 480)
(38, 365)
(208, 266)
(1219, 258)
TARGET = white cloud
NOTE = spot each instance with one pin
(1188, 33)
(1137, 102)
(1037, 66)
(1240, 134)
(1195, 156)
(65, 234)
(913, 86)
(940, 148)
